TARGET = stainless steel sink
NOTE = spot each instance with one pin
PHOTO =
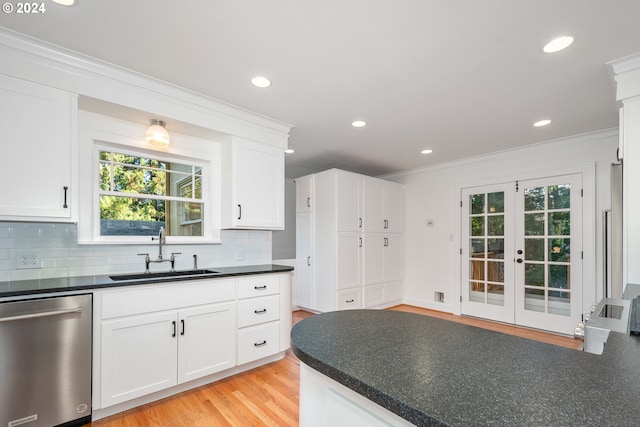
(165, 274)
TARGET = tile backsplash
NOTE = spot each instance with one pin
(63, 257)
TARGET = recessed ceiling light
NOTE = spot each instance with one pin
(558, 44)
(260, 81)
(358, 124)
(542, 123)
(426, 151)
(289, 151)
(65, 2)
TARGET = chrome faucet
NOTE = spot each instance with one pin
(161, 241)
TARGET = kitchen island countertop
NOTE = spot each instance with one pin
(435, 372)
(87, 283)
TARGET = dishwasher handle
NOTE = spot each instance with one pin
(42, 314)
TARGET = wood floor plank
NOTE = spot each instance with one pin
(268, 396)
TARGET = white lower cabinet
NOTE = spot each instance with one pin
(164, 338)
(206, 340)
(258, 321)
(147, 353)
(138, 356)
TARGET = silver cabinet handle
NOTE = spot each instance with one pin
(43, 314)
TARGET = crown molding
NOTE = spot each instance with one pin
(38, 61)
(626, 73)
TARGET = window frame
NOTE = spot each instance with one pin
(99, 132)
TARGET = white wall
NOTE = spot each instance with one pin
(432, 253)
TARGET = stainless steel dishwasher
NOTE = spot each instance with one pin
(45, 361)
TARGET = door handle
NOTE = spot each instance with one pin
(264, 310)
(260, 344)
(65, 205)
(182, 324)
(174, 329)
(309, 261)
(519, 260)
(360, 240)
(239, 211)
(43, 314)
(308, 202)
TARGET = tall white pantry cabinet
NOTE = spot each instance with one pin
(349, 241)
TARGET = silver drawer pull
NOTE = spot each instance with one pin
(264, 310)
(260, 288)
(349, 300)
(43, 314)
(260, 344)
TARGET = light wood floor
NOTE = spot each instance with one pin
(267, 396)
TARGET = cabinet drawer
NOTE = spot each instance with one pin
(349, 299)
(258, 286)
(258, 341)
(258, 310)
(147, 299)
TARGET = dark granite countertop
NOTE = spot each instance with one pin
(433, 372)
(64, 284)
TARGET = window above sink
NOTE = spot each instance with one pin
(130, 189)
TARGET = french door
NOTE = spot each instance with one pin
(521, 252)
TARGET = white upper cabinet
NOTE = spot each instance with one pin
(304, 195)
(383, 206)
(253, 186)
(38, 139)
(348, 187)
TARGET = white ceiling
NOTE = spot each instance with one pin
(461, 77)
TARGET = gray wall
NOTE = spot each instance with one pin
(283, 243)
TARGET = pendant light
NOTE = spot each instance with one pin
(157, 133)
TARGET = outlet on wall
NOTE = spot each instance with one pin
(28, 258)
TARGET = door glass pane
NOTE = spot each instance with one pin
(534, 274)
(495, 225)
(534, 300)
(559, 276)
(534, 249)
(476, 270)
(476, 292)
(476, 203)
(477, 226)
(560, 303)
(495, 201)
(495, 295)
(477, 248)
(534, 224)
(495, 271)
(559, 250)
(559, 196)
(559, 223)
(495, 248)
(534, 199)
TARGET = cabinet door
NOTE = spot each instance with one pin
(304, 188)
(373, 205)
(374, 252)
(348, 260)
(348, 202)
(258, 186)
(393, 207)
(393, 258)
(37, 134)
(302, 273)
(207, 340)
(139, 356)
